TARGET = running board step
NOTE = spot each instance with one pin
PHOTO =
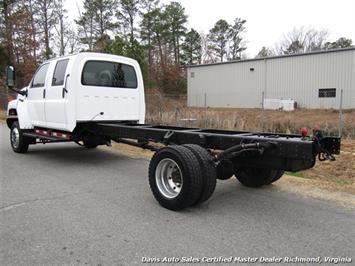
(39, 136)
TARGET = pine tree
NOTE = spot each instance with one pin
(192, 48)
(127, 15)
(176, 20)
(236, 45)
(146, 34)
(340, 43)
(160, 33)
(95, 21)
(218, 39)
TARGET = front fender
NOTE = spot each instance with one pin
(11, 113)
(12, 105)
(20, 106)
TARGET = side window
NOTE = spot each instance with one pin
(40, 77)
(109, 74)
(59, 72)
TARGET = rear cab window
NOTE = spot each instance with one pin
(109, 74)
(39, 78)
(59, 72)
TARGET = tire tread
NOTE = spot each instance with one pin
(194, 177)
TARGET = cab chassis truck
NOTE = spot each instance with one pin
(93, 99)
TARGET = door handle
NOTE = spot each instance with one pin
(44, 93)
(64, 91)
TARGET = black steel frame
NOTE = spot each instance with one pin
(287, 151)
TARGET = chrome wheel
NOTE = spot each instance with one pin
(15, 137)
(169, 179)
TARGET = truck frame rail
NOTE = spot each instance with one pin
(289, 152)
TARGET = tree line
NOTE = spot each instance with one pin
(156, 35)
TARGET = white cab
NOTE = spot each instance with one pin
(80, 88)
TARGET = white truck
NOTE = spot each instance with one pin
(93, 99)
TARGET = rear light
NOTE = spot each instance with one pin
(304, 132)
(10, 98)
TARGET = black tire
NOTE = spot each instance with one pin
(90, 145)
(208, 171)
(19, 142)
(189, 172)
(255, 177)
(225, 169)
(276, 176)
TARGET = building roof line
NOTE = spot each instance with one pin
(275, 57)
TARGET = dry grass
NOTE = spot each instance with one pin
(338, 174)
(341, 171)
(2, 115)
(171, 111)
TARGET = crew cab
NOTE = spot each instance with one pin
(82, 87)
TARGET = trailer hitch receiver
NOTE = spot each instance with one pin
(325, 147)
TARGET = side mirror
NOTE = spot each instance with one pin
(10, 76)
(11, 80)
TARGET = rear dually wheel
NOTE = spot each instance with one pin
(257, 177)
(175, 177)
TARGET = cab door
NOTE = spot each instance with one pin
(56, 96)
(36, 96)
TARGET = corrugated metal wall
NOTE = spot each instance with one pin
(241, 84)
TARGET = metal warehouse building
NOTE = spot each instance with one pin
(313, 80)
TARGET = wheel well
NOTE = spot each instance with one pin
(12, 111)
(10, 121)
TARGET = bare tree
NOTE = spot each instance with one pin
(207, 53)
(29, 5)
(86, 28)
(6, 14)
(265, 52)
(61, 28)
(45, 22)
(301, 40)
(73, 41)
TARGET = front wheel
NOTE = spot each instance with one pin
(19, 143)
